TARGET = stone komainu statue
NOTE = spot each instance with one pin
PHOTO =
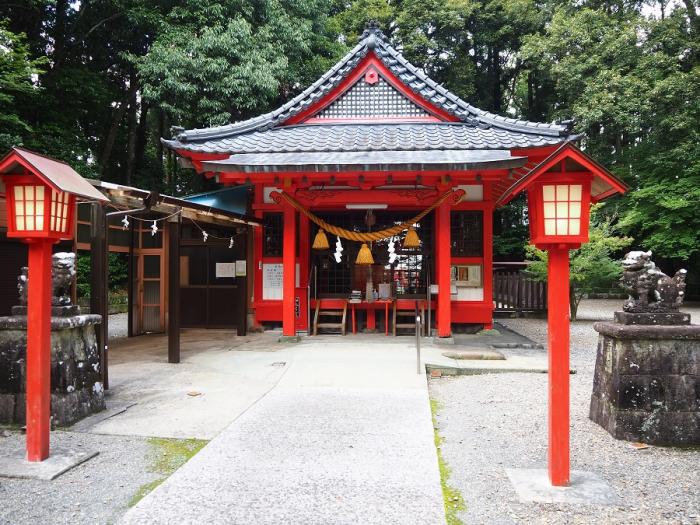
(650, 289)
(62, 276)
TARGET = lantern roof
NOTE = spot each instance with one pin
(603, 185)
(54, 173)
(373, 99)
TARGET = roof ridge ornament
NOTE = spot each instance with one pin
(372, 34)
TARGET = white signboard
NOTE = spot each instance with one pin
(225, 270)
(240, 268)
(272, 281)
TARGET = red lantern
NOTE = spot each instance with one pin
(41, 196)
(558, 210)
(36, 210)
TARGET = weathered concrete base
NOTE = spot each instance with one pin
(646, 385)
(657, 318)
(289, 339)
(60, 461)
(76, 382)
(443, 340)
(532, 485)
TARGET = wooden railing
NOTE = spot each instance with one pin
(514, 292)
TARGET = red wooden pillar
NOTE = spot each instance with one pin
(444, 302)
(558, 344)
(488, 252)
(39, 351)
(288, 271)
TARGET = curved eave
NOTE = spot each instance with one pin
(604, 184)
(335, 162)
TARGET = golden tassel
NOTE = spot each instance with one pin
(320, 241)
(364, 256)
(411, 240)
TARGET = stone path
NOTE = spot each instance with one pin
(344, 437)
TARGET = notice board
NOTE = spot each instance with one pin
(272, 281)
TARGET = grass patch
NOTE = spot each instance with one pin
(452, 499)
(166, 456)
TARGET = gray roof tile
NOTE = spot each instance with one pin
(368, 137)
(480, 127)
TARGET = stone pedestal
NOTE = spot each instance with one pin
(647, 380)
(76, 384)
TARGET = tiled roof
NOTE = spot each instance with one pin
(370, 137)
(324, 161)
(222, 138)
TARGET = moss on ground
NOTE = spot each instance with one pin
(166, 456)
(452, 499)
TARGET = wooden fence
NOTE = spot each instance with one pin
(513, 292)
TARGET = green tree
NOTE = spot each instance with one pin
(633, 85)
(216, 62)
(17, 70)
(592, 267)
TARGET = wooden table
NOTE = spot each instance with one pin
(371, 308)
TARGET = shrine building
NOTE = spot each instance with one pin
(376, 188)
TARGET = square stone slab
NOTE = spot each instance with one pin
(14, 465)
(532, 485)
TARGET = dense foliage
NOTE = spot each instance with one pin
(98, 82)
(593, 267)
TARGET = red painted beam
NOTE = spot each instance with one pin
(558, 350)
(39, 350)
(373, 177)
(289, 269)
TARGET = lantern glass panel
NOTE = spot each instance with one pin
(574, 227)
(562, 209)
(549, 210)
(550, 226)
(562, 192)
(575, 210)
(29, 208)
(575, 192)
(548, 193)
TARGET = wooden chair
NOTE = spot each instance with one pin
(405, 311)
(330, 308)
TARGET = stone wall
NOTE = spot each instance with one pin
(647, 383)
(76, 386)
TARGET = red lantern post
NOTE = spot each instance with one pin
(558, 205)
(41, 195)
(560, 190)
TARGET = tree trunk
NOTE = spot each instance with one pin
(131, 134)
(111, 136)
(573, 303)
(159, 133)
(59, 33)
(141, 136)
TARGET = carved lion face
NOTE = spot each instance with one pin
(636, 260)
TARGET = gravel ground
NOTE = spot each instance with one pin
(96, 492)
(493, 422)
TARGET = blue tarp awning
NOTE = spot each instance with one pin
(232, 199)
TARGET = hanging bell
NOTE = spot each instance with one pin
(364, 256)
(411, 240)
(320, 241)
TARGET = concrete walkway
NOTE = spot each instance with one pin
(345, 436)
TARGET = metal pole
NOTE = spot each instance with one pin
(418, 330)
